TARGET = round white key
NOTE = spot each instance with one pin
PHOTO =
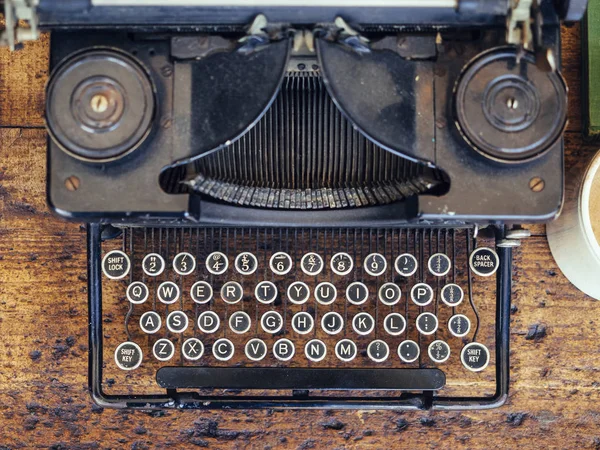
(375, 264)
(246, 263)
(421, 294)
(439, 264)
(192, 349)
(298, 292)
(281, 263)
(439, 351)
(459, 325)
(201, 292)
(409, 351)
(209, 322)
(427, 323)
(217, 263)
(315, 350)
(452, 295)
(240, 322)
(325, 293)
(184, 263)
(150, 322)
(341, 263)
(302, 322)
(168, 292)
(163, 350)
(223, 349)
(378, 350)
(284, 349)
(406, 265)
(332, 322)
(137, 292)
(312, 264)
(389, 294)
(346, 350)
(265, 292)
(394, 324)
(128, 356)
(357, 293)
(116, 265)
(153, 264)
(255, 349)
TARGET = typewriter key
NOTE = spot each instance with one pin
(271, 322)
(484, 261)
(346, 350)
(281, 263)
(363, 323)
(459, 325)
(394, 324)
(239, 322)
(137, 292)
(357, 293)
(409, 351)
(201, 292)
(303, 322)
(312, 264)
(341, 263)
(421, 294)
(265, 292)
(427, 323)
(284, 349)
(298, 292)
(163, 350)
(153, 264)
(325, 293)
(378, 351)
(255, 349)
(375, 264)
(216, 263)
(389, 294)
(246, 263)
(439, 351)
(208, 322)
(100, 105)
(232, 292)
(184, 263)
(128, 356)
(509, 110)
(315, 350)
(192, 349)
(223, 349)
(177, 322)
(439, 264)
(150, 322)
(116, 265)
(332, 322)
(452, 294)
(168, 292)
(475, 357)
(406, 264)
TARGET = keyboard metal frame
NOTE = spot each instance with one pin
(192, 400)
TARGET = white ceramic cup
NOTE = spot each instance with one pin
(574, 237)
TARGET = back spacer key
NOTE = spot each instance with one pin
(484, 261)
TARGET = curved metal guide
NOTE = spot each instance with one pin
(220, 97)
(390, 99)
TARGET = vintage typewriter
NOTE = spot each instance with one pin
(302, 204)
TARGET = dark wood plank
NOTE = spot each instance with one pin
(43, 320)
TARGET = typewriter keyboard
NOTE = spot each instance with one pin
(277, 309)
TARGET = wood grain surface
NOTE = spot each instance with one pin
(555, 330)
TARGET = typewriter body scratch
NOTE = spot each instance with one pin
(303, 205)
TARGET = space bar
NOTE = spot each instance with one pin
(294, 378)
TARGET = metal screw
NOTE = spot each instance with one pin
(166, 70)
(72, 183)
(512, 103)
(536, 184)
(99, 103)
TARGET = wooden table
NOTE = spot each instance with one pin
(555, 332)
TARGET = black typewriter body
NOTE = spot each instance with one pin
(303, 206)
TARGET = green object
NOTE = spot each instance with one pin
(591, 70)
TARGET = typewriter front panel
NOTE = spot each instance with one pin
(389, 319)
